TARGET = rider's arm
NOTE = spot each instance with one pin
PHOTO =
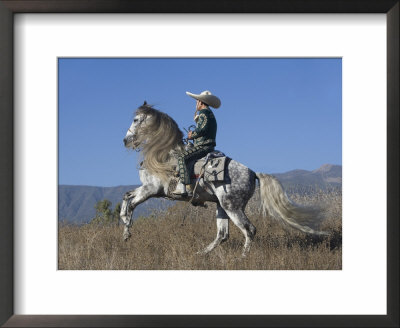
(201, 126)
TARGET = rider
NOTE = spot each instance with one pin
(203, 137)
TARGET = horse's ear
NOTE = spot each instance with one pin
(145, 103)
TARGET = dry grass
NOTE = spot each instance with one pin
(161, 242)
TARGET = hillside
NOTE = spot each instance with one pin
(166, 243)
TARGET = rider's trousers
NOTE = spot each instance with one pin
(188, 155)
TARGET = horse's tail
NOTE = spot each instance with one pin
(276, 203)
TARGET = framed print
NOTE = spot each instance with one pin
(320, 88)
(43, 41)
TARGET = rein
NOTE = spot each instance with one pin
(201, 175)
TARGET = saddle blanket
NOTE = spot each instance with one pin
(212, 166)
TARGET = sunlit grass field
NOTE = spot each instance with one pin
(164, 241)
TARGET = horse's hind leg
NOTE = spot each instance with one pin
(222, 230)
(240, 219)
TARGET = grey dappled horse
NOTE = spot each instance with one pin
(158, 138)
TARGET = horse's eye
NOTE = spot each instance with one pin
(135, 120)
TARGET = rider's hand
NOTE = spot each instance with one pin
(190, 135)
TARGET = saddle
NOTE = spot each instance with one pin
(211, 167)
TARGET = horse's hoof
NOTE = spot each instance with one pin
(127, 236)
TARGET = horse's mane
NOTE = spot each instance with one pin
(157, 137)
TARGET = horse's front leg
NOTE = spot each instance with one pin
(130, 201)
(126, 213)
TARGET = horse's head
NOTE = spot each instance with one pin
(134, 135)
(155, 134)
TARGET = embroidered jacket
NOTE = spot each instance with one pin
(206, 129)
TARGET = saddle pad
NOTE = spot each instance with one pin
(214, 169)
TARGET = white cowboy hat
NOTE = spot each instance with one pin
(206, 97)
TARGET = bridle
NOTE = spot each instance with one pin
(137, 149)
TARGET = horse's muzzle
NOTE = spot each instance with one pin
(129, 141)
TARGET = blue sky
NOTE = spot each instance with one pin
(276, 114)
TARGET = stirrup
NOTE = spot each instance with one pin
(183, 194)
(181, 191)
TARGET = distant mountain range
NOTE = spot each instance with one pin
(326, 177)
(76, 203)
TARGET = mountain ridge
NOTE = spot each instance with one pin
(326, 176)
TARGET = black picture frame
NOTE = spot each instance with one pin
(7, 10)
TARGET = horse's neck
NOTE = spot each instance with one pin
(173, 161)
